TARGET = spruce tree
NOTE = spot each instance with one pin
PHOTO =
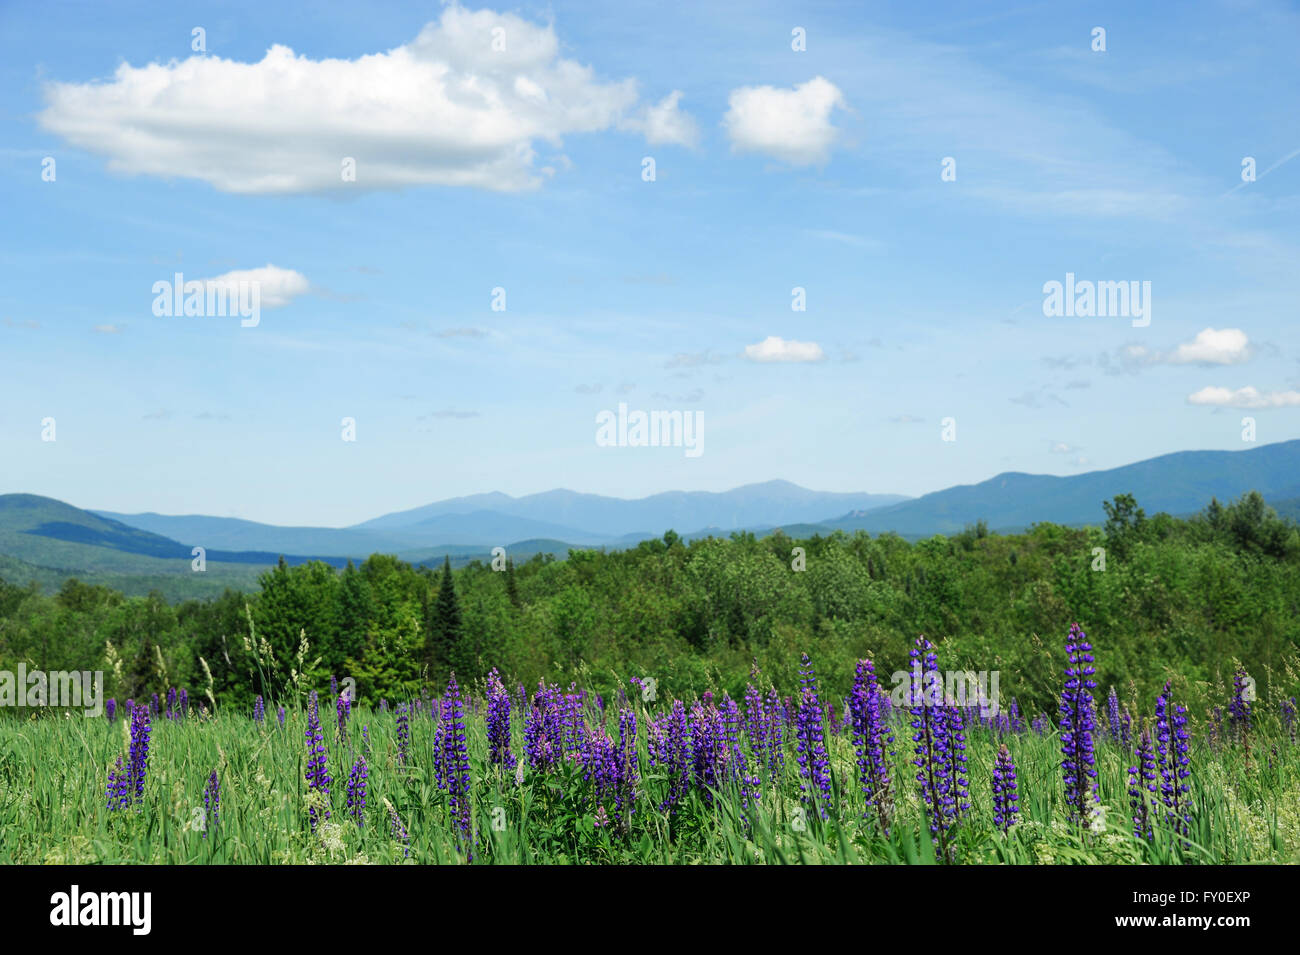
(512, 588)
(444, 624)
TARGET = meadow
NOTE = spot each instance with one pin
(487, 774)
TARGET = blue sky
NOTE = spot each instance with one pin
(522, 169)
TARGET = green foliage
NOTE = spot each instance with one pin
(1177, 599)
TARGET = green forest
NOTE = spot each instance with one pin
(1160, 598)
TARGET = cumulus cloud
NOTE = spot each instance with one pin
(465, 103)
(793, 125)
(1227, 346)
(276, 286)
(665, 123)
(1247, 397)
(773, 348)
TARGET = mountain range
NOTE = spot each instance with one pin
(47, 540)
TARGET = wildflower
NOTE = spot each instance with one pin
(930, 736)
(356, 791)
(318, 779)
(1005, 795)
(1078, 721)
(211, 803)
(1172, 746)
(810, 742)
(1239, 710)
(140, 729)
(498, 722)
(281, 715)
(1142, 786)
(119, 787)
(343, 708)
(259, 709)
(455, 757)
(871, 739)
(110, 709)
(403, 733)
(1112, 715)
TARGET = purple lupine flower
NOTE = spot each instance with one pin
(1125, 728)
(259, 709)
(1174, 761)
(383, 705)
(810, 743)
(1239, 709)
(1078, 721)
(544, 729)
(110, 709)
(1015, 721)
(183, 701)
(365, 738)
(775, 733)
(1112, 715)
(1142, 787)
(498, 723)
(130, 707)
(871, 739)
(957, 778)
(156, 707)
(730, 714)
(670, 749)
(211, 803)
(171, 703)
(708, 748)
(139, 764)
(930, 736)
(399, 832)
(455, 757)
(318, 779)
(119, 786)
(1288, 717)
(1005, 796)
(281, 716)
(1039, 724)
(756, 724)
(403, 733)
(343, 708)
(334, 687)
(626, 792)
(356, 791)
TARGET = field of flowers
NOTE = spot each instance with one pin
(494, 774)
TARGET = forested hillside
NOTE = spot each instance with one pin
(1180, 598)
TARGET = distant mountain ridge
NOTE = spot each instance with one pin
(48, 540)
(1179, 483)
(494, 519)
(772, 502)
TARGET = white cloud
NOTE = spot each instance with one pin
(276, 286)
(665, 123)
(773, 348)
(1228, 346)
(793, 125)
(445, 109)
(1248, 397)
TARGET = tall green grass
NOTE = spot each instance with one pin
(53, 809)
